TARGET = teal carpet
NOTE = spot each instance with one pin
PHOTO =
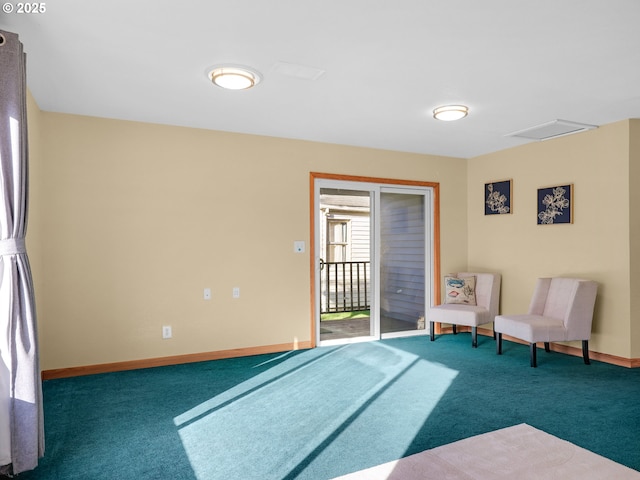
(325, 412)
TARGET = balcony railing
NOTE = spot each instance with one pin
(344, 287)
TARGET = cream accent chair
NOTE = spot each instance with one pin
(561, 310)
(487, 306)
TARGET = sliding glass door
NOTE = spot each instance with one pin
(373, 260)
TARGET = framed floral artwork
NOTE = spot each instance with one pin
(555, 205)
(497, 197)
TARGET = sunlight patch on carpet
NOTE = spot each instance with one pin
(321, 408)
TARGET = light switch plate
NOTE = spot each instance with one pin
(298, 246)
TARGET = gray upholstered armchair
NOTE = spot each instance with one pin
(471, 299)
(561, 310)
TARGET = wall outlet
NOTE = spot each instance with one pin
(166, 331)
(207, 294)
(236, 292)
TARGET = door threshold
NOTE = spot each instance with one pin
(345, 341)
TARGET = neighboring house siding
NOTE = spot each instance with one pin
(402, 257)
(360, 238)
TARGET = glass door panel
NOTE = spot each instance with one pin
(345, 264)
(403, 242)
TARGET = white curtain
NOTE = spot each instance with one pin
(21, 417)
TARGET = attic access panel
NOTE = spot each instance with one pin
(553, 129)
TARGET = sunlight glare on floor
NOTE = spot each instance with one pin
(310, 406)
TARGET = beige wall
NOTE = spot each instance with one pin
(129, 222)
(634, 225)
(34, 219)
(134, 220)
(595, 246)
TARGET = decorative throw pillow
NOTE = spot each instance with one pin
(460, 290)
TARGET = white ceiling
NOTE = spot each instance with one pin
(387, 63)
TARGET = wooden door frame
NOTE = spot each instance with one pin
(313, 176)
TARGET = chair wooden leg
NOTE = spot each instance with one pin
(533, 348)
(474, 337)
(498, 343)
(585, 352)
(546, 347)
(455, 330)
(432, 328)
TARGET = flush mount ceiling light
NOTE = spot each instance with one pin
(448, 113)
(233, 77)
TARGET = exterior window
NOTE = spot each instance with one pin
(338, 236)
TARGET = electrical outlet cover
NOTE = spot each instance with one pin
(166, 331)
